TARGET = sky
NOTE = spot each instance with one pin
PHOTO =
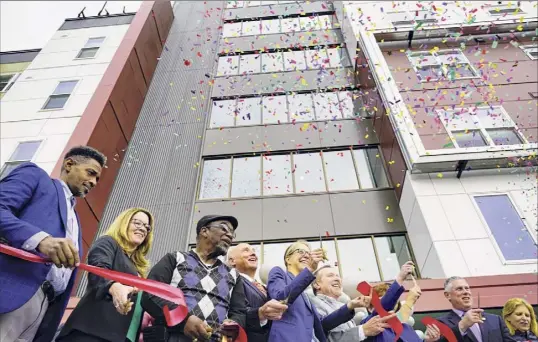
(30, 24)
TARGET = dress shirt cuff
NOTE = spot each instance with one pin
(32, 242)
(362, 336)
(263, 322)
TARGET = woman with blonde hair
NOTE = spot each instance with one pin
(105, 312)
(520, 320)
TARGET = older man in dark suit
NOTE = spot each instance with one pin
(468, 324)
(260, 311)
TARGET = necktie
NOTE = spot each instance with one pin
(475, 329)
(260, 287)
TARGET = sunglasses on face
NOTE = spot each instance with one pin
(141, 225)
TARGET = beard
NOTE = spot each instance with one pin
(220, 250)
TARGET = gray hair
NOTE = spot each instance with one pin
(448, 282)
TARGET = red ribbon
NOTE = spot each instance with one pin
(445, 330)
(165, 291)
(394, 322)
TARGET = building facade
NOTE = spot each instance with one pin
(12, 64)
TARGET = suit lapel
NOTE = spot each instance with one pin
(62, 204)
(484, 331)
(254, 288)
(455, 319)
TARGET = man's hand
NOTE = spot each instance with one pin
(406, 270)
(471, 317)
(376, 325)
(433, 333)
(316, 256)
(195, 328)
(272, 310)
(120, 297)
(61, 251)
(360, 302)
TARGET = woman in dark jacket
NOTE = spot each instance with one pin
(520, 320)
(106, 313)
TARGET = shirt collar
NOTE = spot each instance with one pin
(249, 278)
(65, 187)
(459, 312)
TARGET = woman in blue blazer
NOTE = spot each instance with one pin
(301, 322)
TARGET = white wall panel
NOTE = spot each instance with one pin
(59, 126)
(21, 129)
(52, 148)
(451, 258)
(435, 218)
(22, 110)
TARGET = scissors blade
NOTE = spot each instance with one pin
(320, 241)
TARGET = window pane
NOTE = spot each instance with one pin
(277, 175)
(429, 72)
(308, 173)
(228, 65)
(309, 23)
(459, 120)
(25, 151)
(493, 117)
(294, 60)
(377, 168)
(65, 87)
(340, 170)
(290, 25)
(504, 136)
(231, 30)
(301, 107)
(7, 168)
(246, 177)
(327, 107)
(56, 101)
(335, 60)
(272, 62)
(270, 26)
(472, 138)
(223, 113)
(392, 253)
(363, 168)
(215, 179)
(509, 231)
(459, 71)
(315, 59)
(249, 111)
(364, 267)
(347, 104)
(325, 22)
(87, 53)
(94, 42)
(250, 64)
(273, 254)
(275, 109)
(251, 28)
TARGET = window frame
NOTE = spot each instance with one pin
(61, 94)
(412, 59)
(527, 49)
(489, 141)
(91, 48)
(492, 10)
(13, 78)
(411, 22)
(20, 161)
(492, 238)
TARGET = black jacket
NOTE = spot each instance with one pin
(493, 328)
(95, 314)
(255, 299)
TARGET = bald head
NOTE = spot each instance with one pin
(243, 257)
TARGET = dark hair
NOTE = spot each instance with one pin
(86, 152)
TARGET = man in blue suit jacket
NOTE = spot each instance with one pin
(37, 214)
(260, 310)
(468, 324)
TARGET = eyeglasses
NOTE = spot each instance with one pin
(301, 252)
(139, 224)
(225, 229)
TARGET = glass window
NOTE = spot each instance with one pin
(504, 136)
(87, 53)
(231, 30)
(347, 100)
(294, 60)
(7, 168)
(531, 51)
(246, 177)
(272, 62)
(6, 81)
(340, 170)
(94, 42)
(327, 107)
(308, 172)
(250, 64)
(325, 22)
(270, 26)
(301, 107)
(277, 175)
(273, 254)
(316, 59)
(309, 23)
(363, 168)
(25, 151)
(252, 28)
(223, 113)
(228, 65)
(365, 267)
(249, 111)
(392, 253)
(91, 47)
(452, 64)
(469, 138)
(215, 179)
(290, 25)
(275, 109)
(377, 168)
(60, 95)
(508, 229)
(493, 117)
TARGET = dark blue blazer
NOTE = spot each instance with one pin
(255, 299)
(389, 301)
(30, 202)
(301, 320)
(493, 328)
